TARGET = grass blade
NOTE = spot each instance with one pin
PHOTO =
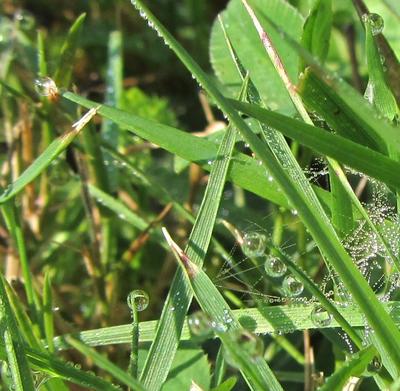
(254, 369)
(13, 344)
(323, 234)
(44, 160)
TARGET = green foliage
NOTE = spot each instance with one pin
(288, 194)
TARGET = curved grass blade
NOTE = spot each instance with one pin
(62, 75)
(44, 160)
(159, 359)
(105, 364)
(323, 233)
(355, 155)
(254, 369)
(352, 367)
(13, 345)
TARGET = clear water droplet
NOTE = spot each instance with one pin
(199, 324)
(138, 299)
(254, 244)
(274, 267)
(45, 86)
(291, 286)
(320, 316)
(375, 21)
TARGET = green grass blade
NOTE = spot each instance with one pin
(105, 364)
(13, 344)
(170, 326)
(317, 30)
(254, 369)
(353, 367)
(15, 229)
(378, 91)
(323, 234)
(48, 320)
(345, 151)
(244, 170)
(62, 75)
(44, 160)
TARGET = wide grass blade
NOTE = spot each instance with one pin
(345, 151)
(323, 234)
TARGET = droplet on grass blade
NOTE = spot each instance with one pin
(375, 21)
(320, 316)
(274, 267)
(254, 244)
(138, 299)
(292, 287)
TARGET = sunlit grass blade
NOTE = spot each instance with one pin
(378, 92)
(171, 323)
(280, 319)
(254, 369)
(323, 233)
(352, 367)
(244, 170)
(13, 345)
(62, 75)
(105, 364)
(44, 160)
(355, 155)
(14, 227)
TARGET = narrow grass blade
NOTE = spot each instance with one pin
(323, 234)
(345, 151)
(378, 92)
(352, 367)
(13, 344)
(44, 160)
(15, 229)
(244, 170)
(105, 364)
(334, 111)
(317, 30)
(110, 131)
(170, 326)
(48, 320)
(62, 75)
(254, 369)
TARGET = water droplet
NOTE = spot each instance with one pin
(375, 21)
(320, 316)
(25, 19)
(375, 365)
(199, 324)
(274, 267)
(291, 286)
(138, 299)
(45, 86)
(254, 244)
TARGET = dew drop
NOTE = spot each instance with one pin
(375, 365)
(254, 244)
(291, 286)
(274, 267)
(320, 316)
(45, 86)
(199, 324)
(375, 21)
(138, 299)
